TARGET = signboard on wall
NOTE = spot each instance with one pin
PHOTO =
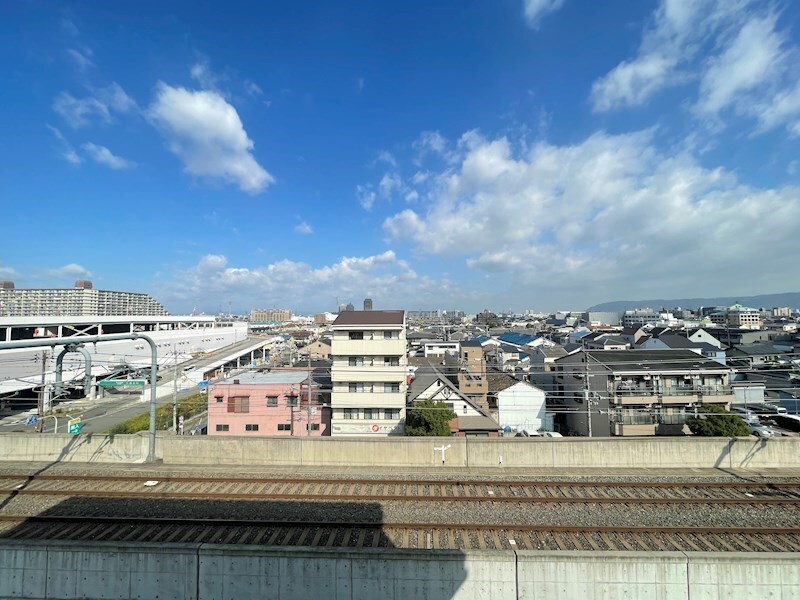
(368, 428)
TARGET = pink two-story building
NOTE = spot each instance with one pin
(264, 404)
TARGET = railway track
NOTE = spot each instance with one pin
(581, 492)
(76, 520)
(399, 535)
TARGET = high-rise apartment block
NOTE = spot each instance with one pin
(81, 300)
(369, 373)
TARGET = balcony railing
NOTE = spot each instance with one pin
(673, 391)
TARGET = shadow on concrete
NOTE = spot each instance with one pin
(362, 560)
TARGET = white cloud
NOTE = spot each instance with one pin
(103, 155)
(69, 27)
(632, 83)
(77, 112)
(676, 34)
(389, 280)
(304, 228)
(115, 98)
(252, 88)
(751, 58)
(360, 84)
(67, 151)
(82, 59)
(201, 72)
(536, 9)
(389, 183)
(608, 212)
(387, 157)
(366, 196)
(69, 271)
(205, 132)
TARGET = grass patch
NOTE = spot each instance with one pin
(188, 407)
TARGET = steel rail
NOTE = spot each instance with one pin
(423, 482)
(322, 497)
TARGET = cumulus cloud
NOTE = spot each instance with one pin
(610, 211)
(206, 133)
(389, 280)
(536, 9)
(104, 156)
(303, 228)
(69, 271)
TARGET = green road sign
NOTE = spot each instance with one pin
(74, 425)
(121, 382)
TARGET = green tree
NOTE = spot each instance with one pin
(429, 418)
(717, 422)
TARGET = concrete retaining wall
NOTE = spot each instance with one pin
(51, 447)
(559, 453)
(60, 570)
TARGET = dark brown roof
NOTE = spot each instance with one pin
(370, 317)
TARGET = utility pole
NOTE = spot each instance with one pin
(586, 398)
(175, 393)
(41, 393)
(308, 383)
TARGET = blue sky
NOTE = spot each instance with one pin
(518, 154)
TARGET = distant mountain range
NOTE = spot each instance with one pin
(791, 299)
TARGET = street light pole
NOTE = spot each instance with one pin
(175, 393)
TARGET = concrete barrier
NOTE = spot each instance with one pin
(87, 448)
(554, 453)
(64, 570)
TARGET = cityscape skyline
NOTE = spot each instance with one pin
(547, 155)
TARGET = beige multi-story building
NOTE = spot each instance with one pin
(738, 316)
(369, 373)
(272, 315)
(81, 300)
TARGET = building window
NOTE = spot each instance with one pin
(239, 404)
(314, 427)
(272, 401)
(356, 335)
(391, 335)
(291, 400)
(284, 426)
(356, 361)
(391, 388)
(223, 427)
(355, 387)
(218, 398)
(372, 413)
(391, 413)
(349, 413)
(251, 427)
(391, 361)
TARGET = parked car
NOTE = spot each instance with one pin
(761, 431)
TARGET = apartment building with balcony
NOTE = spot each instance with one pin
(81, 300)
(637, 392)
(369, 373)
